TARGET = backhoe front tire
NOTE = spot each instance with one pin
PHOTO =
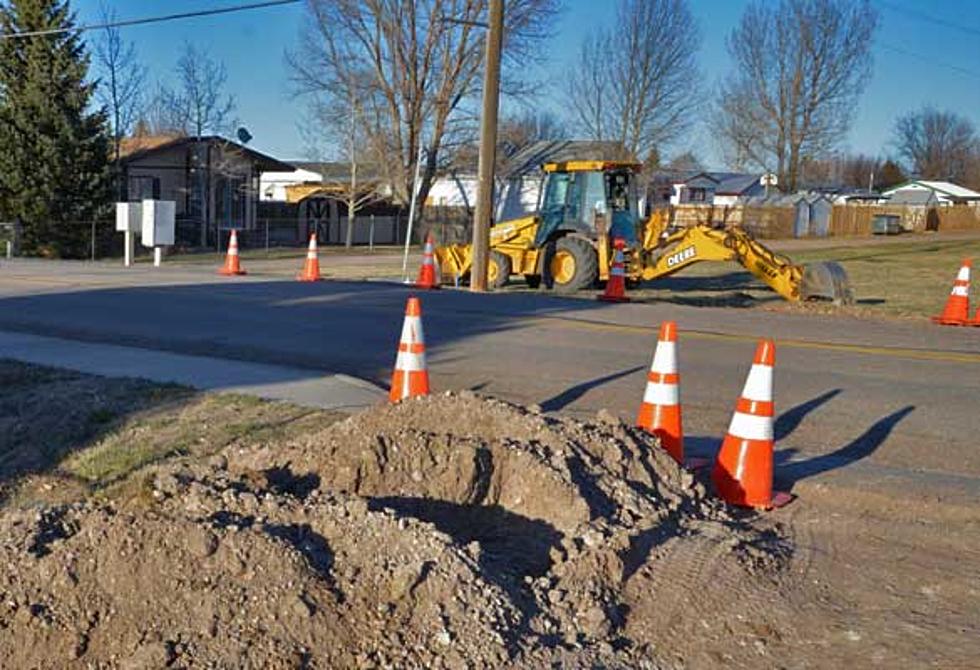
(498, 269)
(572, 265)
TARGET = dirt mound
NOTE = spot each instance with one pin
(451, 531)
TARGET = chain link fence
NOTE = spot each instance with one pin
(98, 239)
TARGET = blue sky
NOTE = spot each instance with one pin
(917, 61)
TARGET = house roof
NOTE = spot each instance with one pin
(135, 148)
(530, 159)
(726, 183)
(736, 184)
(912, 197)
(335, 171)
(946, 188)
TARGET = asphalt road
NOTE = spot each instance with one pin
(866, 405)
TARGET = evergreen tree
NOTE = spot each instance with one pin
(54, 149)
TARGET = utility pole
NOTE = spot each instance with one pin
(488, 149)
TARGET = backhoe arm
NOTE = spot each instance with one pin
(663, 256)
(779, 272)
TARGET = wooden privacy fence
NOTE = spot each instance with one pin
(777, 220)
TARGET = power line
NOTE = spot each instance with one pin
(933, 61)
(928, 18)
(150, 19)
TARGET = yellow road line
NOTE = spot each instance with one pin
(889, 352)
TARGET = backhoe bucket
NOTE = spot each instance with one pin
(826, 281)
(454, 262)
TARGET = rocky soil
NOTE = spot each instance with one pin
(452, 531)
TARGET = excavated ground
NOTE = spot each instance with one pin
(452, 531)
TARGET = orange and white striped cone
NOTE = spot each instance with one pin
(957, 311)
(427, 271)
(232, 265)
(743, 470)
(616, 286)
(311, 267)
(660, 411)
(411, 376)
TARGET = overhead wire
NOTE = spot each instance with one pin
(149, 19)
(921, 16)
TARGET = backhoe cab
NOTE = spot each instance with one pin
(566, 244)
(585, 204)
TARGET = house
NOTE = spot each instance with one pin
(320, 204)
(213, 181)
(944, 192)
(723, 189)
(273, 185)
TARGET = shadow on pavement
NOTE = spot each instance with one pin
(789, 420)
(866, 444)
(342, 327)
(572, 394)
(787, 471)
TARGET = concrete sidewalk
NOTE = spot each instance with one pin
(308, 388)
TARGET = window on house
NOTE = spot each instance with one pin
(144, 187)
(697, 195)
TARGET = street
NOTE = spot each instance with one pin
(879, 404)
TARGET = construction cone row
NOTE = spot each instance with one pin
(427, 271)
(660, 411)
(616, 286)
(311, 267)
(957, 311)
(232, 265)
(743, 471)
(411, 376)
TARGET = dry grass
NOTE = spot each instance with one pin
(69, 435)
(906, 277)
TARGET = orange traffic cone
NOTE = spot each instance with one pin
(660, 411)
(743, 470)
(232, 266)
(957, 312)
(311, 268)
(411, 377)
(616, 286)
(427, 271)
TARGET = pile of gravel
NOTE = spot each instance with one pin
(449, 531)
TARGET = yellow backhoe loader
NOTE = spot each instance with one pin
(585, 204)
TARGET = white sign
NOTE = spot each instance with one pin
(159, 221)
(129, 217)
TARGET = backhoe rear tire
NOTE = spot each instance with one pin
(572, 265)
(498, 269)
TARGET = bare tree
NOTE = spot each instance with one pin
(414, 64)
(122, 79)
(637, 83)
(937, 144)
(517, 132)
(800, 67)
(198, 104)
(850, 170)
